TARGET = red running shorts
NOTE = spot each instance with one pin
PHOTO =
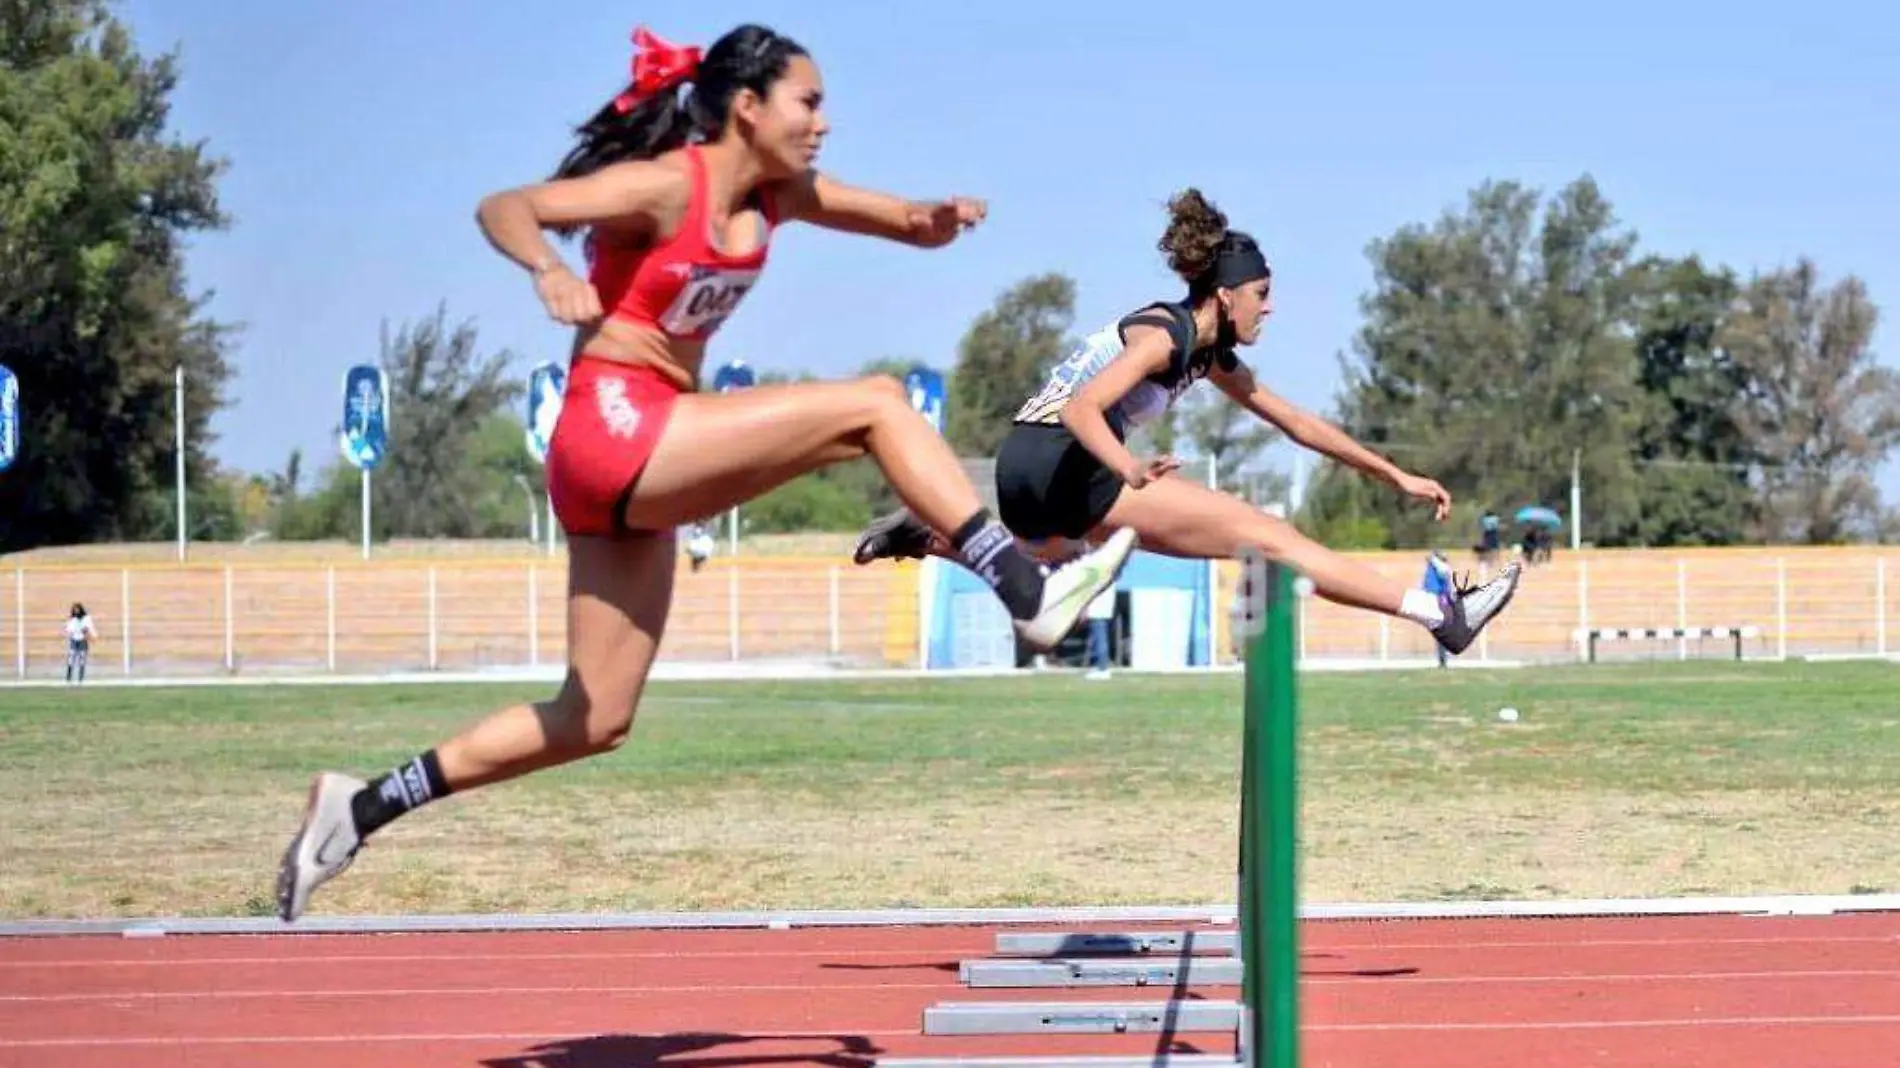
(611, 419)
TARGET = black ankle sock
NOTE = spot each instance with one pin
(410, 786)
(990, 550)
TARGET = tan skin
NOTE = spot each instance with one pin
(717, 450)
(1182, 518)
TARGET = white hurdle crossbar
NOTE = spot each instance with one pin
(1590, 638)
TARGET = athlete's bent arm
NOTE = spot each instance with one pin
(1145, 352)
(630, 196)
(834, 205)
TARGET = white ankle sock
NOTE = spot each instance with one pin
(1421, 607)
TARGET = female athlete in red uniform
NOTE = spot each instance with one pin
(680, 199)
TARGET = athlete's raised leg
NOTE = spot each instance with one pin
(722, 449)
(1183, 518)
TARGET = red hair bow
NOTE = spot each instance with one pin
(657, 65)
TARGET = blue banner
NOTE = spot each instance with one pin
(925, 388)
(547, 384)
(734, 375)
(365, 431)
(9, 418)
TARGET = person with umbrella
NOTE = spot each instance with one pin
(1538, 522)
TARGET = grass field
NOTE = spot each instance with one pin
(1644, 780)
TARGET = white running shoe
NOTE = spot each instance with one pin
(324, 846)
(1067, 591)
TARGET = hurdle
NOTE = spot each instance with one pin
(1589, 638)
(1128, 958)
(1262, 957)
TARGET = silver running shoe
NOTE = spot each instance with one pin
(1472, 607)
(324, 846)
(1069, 589)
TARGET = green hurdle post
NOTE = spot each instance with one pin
(1268, 619)
(1265, 1022)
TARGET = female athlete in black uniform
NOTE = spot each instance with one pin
(1065, 474)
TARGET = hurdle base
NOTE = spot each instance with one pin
(1128, 971)
(1079, 1017)
(1114, 943)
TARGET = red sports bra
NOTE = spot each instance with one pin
(683, 286)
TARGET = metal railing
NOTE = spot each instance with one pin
(418, 615)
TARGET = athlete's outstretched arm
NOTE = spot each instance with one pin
(1321, 436)
(834, 205)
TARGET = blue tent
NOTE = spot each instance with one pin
(969, 627)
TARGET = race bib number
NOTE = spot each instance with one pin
(707, 299)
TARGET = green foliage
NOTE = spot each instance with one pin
(1820, 410)
(1501, 342)
(1002, 359)
(1344, 510)
(812, 502)
(457, 465)
(1216, 428)
(95, 200)
(1493, 347)
(1693, 458)
(439, 481)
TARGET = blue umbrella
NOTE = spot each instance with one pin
(1540, 515)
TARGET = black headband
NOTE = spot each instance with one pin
(1239, 262)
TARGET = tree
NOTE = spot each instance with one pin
(1344, 510)
(94, 312)
(325, 512)
(810, 502)
(1003, 357)
(286, 485)
(1495, 344)
(332, 509)
(436, 481)
(1224, 432)
(1821, 412)
(1694, 460)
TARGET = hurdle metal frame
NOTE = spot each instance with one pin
(1261, 957)
(1589, 638)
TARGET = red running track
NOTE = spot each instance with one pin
(1739, 992)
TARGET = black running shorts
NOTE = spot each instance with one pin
(1049, 485)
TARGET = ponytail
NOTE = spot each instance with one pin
(649, 128)
(651, 118)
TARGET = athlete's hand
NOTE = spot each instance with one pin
(1155, 469)
(936, 225)
(568, 297)
(1425, 489)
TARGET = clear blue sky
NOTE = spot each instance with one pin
(362, 134)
